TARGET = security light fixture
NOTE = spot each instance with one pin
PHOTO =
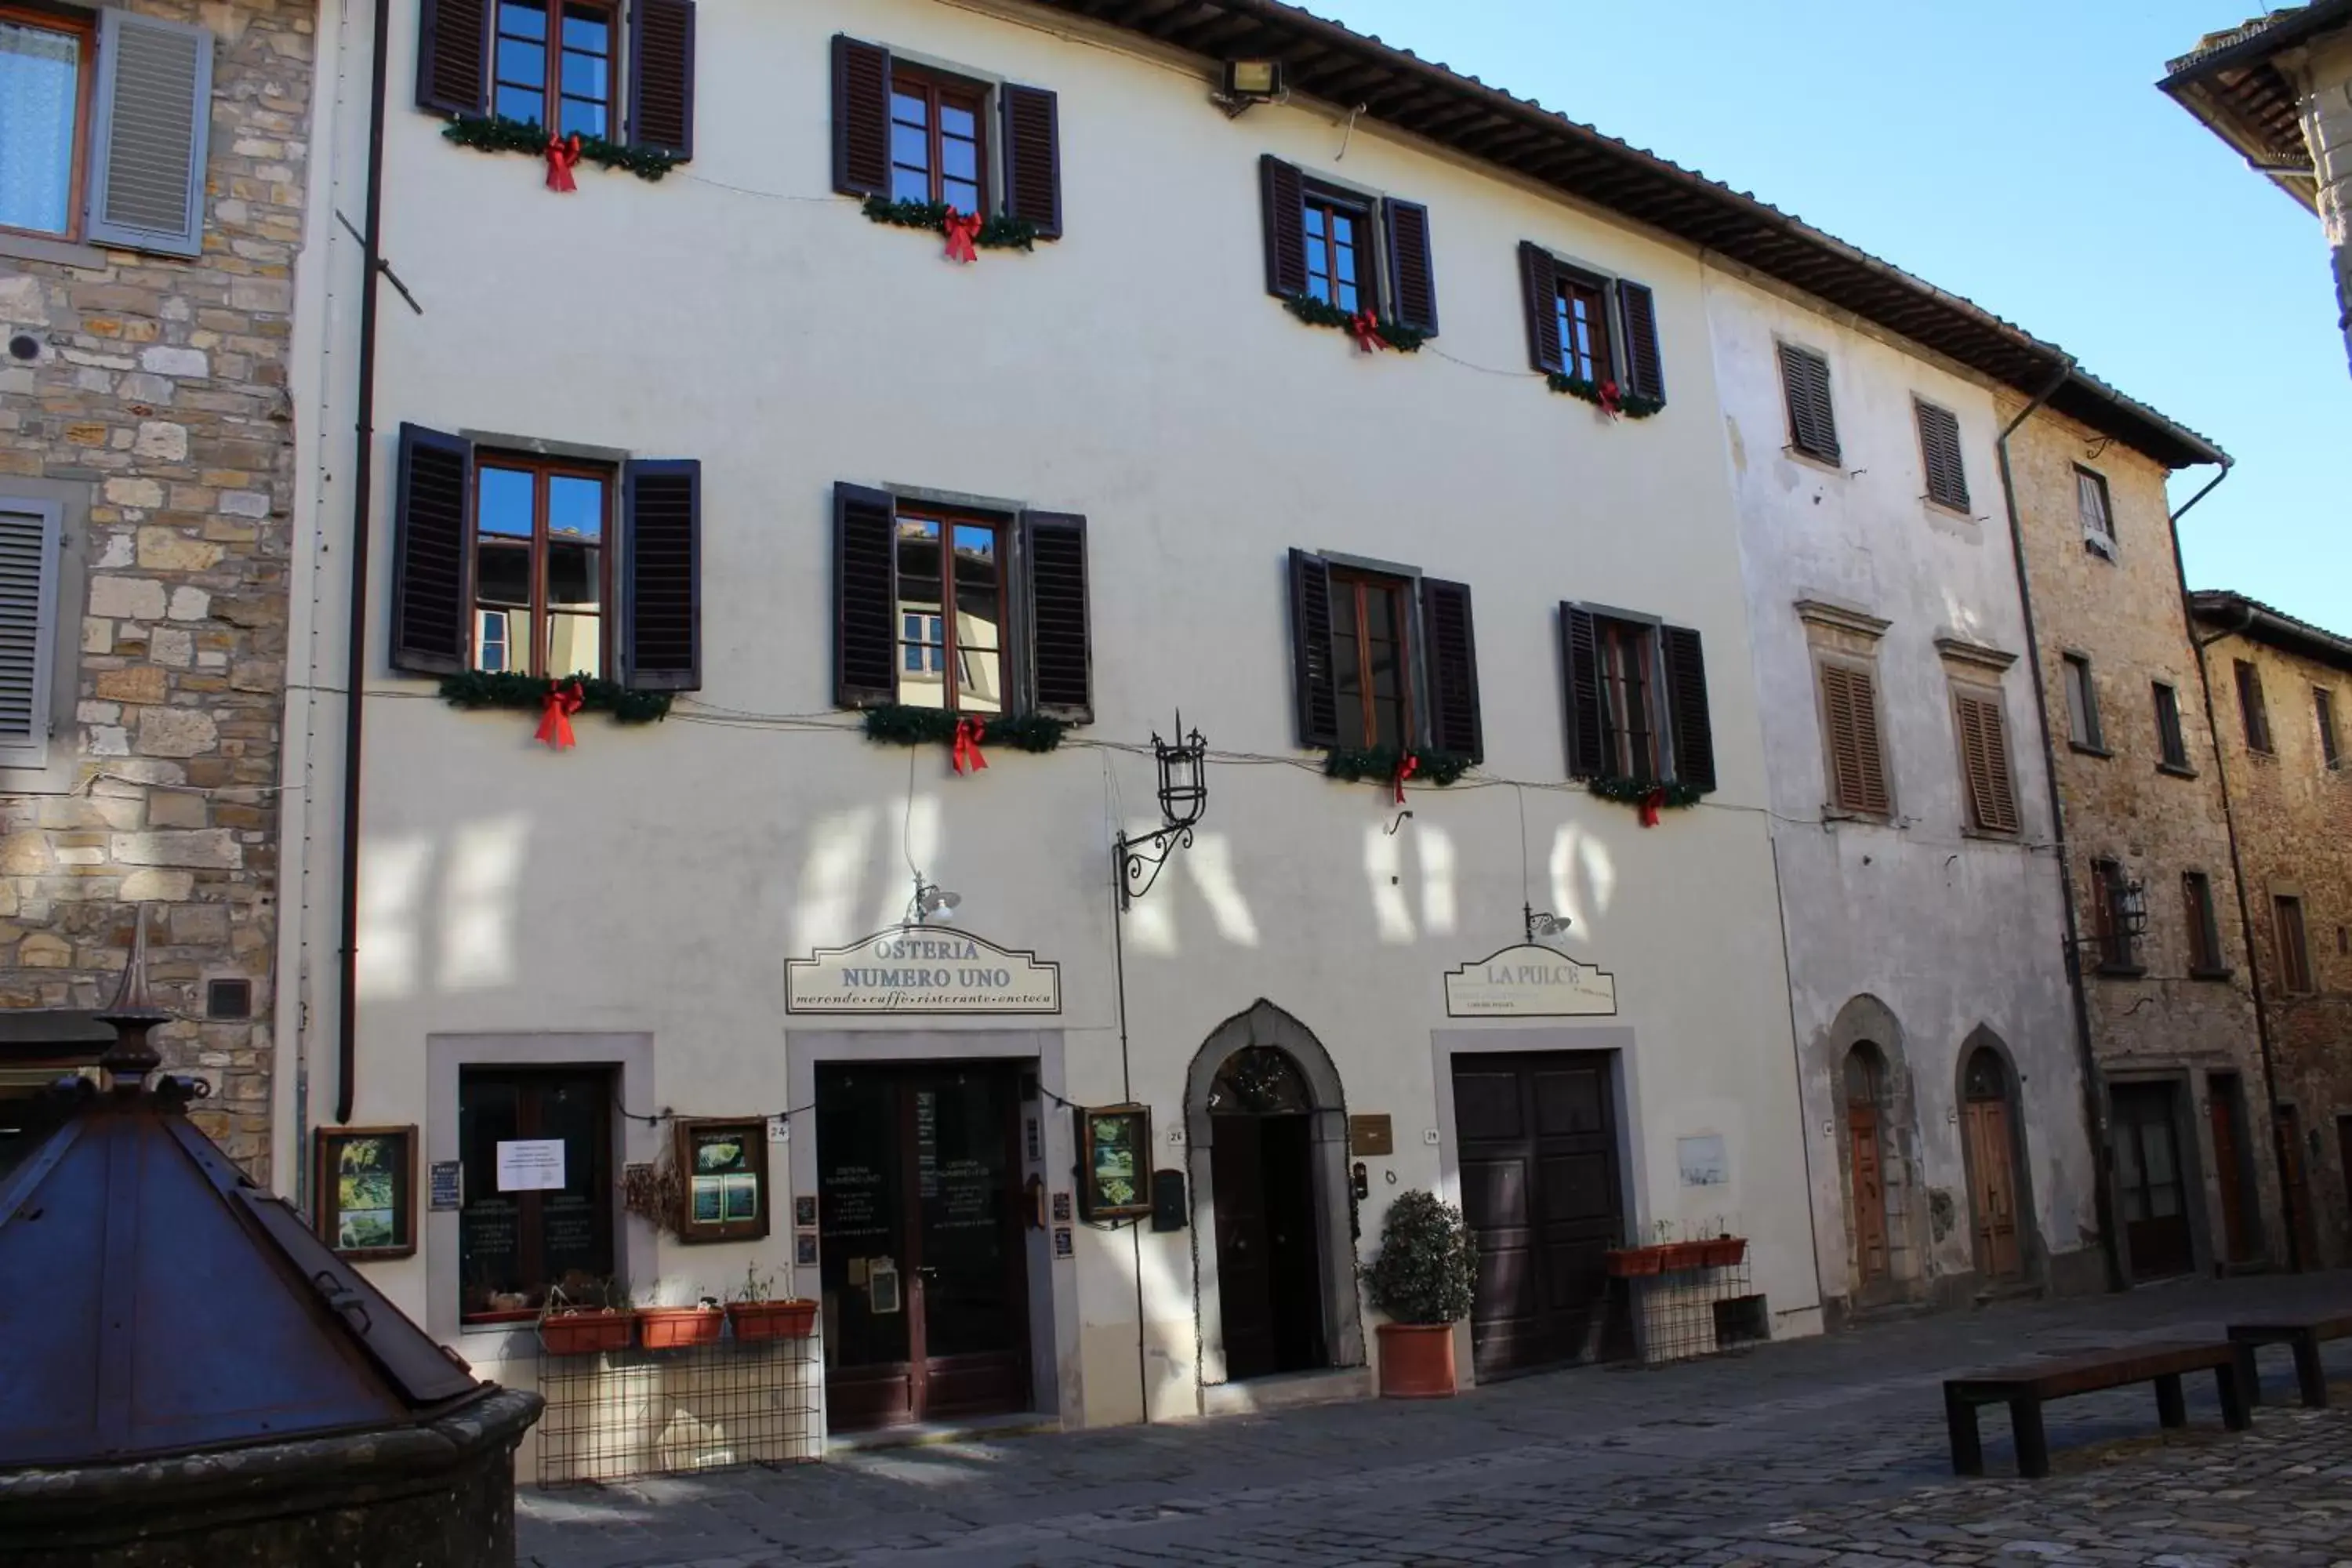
(1247, 82)
(1183, 800)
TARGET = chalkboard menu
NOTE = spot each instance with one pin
(1114, 1161)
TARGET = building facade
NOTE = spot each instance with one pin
(2280, 689)
(151, 206)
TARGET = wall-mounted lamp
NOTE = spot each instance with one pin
(1183, 800)
(931, 902)
(1247, 82)
(1543, 922)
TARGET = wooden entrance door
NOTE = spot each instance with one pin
(1540, 1190)
(1869, 1192)
(1269, 1276)
(926, 1278)
(1993, 1161)
(2148, 1173)
(2226, 1109)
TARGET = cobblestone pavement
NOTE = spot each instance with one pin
(1828, 1450)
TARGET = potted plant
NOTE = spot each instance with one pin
(759, 1313)
(679, 1327)
(582, 1317)
(1724, 1250)
(1425, 1278)
(1634, 1262)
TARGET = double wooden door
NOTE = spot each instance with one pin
(2151, 1181)
(1541, 1191)
(923, 1244)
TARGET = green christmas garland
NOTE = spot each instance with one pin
(1317, 312)
(1002, 232)
(1351, 765)
(1633, 792)
(1632, 405)
(498, 133)
(482, 688)
(898, 725)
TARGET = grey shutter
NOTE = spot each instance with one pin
(1452, 660)
(153, 119)
(1580, 653)
(1939, 448)
(1693, 730)
(1412, 278)
(1061, 653)
(1540, 286)
(1314, 669)
(861, 117)
(661, 76)
(1284, 190)
(1812, 422)
(864, 597)
(431, 552)
(1637, 313)
(1032, 157)
(453, 56)
(661, 574)
(30, 532)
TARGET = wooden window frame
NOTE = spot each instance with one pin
(542, 470)
(2099, 542)
(2093, 740)
(752, 1132)
(937, 89)
(550, 91)
(529, 1209)
(950, 519)
(2254, 707)
(2290, 929)
(2171, 739)
(1613, 636)
(1318, 198)
(85, 29)
(1403, 599)
(327, 1189)
(2204, 927)
(2331, 752)
(1570, 284)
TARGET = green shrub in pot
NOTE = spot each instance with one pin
(1427, 1270)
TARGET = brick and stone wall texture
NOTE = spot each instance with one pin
(2295, 832)
(159, 385)
(2126, 616)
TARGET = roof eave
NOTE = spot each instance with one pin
(2232, 612)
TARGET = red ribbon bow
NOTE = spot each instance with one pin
(556, 720)
(969, 733)
(1608, 399)
(1367, 329)
(961, 229)
(1652, 804)
(1406, 767)
(562, 157)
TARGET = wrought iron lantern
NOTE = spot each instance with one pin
(1183, 800)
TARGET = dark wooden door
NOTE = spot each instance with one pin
(1869, 1192)
(1542, 1190)
(2148, 1173)
(1995, 1192)
(2295, 1176)
(1269, 1251)
(2227, 1112)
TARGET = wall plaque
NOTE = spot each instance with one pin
(1114, 1152)
(1529, 982)
(1371, 1135)
(922, 969)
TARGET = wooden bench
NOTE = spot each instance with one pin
(2302, 1333)
(2024, 1388)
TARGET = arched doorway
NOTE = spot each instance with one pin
(1987, 1129)
(1865, 1108)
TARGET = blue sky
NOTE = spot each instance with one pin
(2020, 155)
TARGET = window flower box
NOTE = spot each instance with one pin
(586, 1333)
(1725, 1251)
(679, 1327)
(1635, 1262)
(773, 1319)
(1681, 1257)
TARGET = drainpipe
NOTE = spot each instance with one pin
(363, 504)
(2093, 1122)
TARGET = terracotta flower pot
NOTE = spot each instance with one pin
(1725, 1251)
(1416, 1361)
(1675, 1257)
(1634, 1262)
(773, 1319)
(585, 1333)
(676, 1328)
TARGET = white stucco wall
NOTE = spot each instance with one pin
(1951, 932)
(654, 881)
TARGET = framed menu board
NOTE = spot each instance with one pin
(365, 1187)
(723, 1168)
(1114, 1161)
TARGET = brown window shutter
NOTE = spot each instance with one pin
(453, 56)
(1061, 653)
(1939, 447)
(1033, 158)
(1539, 291)
(1314, 668)
(1452, 660)
(661, 76)
(861, 117)
(431, 552)
(1857, 763)
(1413, 280)
(1284, 193)
(1580, 659)
(661, 574)
(1813, 423)
(1637, 311)
(1984, 752)
(864, 597)
(1693, 730)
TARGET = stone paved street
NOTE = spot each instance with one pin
(1829, 1450)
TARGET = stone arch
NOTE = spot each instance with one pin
(1985, 1071)
(1867, 1031)
(1263, 1024)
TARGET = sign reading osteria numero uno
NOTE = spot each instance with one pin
(1529, 982)
(922, 969)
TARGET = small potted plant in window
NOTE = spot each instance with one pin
(759, 1313)
(582, 1316)
(681, 1328)
(1425, 1278)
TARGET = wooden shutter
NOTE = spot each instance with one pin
(1813, 423)
(1984, 762)
(431, 553)
(1692, 730)
(1061, 653)
(148, 131)
(1539, 289)
(861, 117)
(661, 574)
(1032, 157)
(1857, 763)
(661, 76)
(864, 597)
(1452, 659)
(1412, 280)
(453, 56)
(1284, 191)
(29, 540)
(1579, 653)
(1637, 313)
(1314, 666)
(1939, 447)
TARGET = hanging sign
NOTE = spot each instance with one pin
(1529, 982)
(922, 969)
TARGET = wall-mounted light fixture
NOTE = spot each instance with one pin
(931, 902)
(1543, 922)
(1183, 800)
(1247, 82)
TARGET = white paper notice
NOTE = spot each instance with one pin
(530, 1165)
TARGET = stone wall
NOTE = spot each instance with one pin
(2326, 78)
(156, 404)
(2121, 804)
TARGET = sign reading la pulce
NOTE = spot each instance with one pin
(922, 969)
(1529, 982)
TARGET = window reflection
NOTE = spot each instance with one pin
(41, 83)
(950, 614)
(539, 568)
(938, 150)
